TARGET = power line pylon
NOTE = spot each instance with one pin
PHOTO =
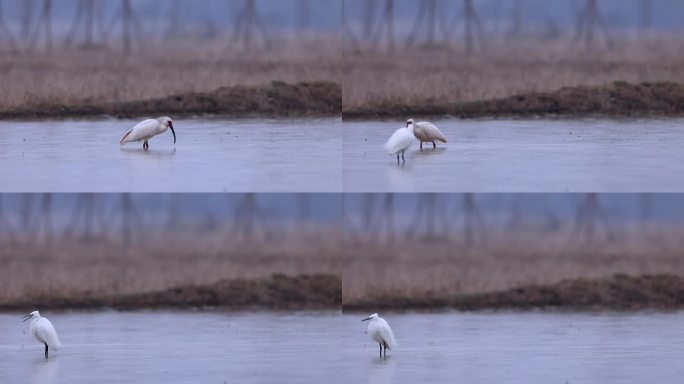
(303, 15)
(646, 14)
(426, 23)
(6, 229)
(473, 30)
(82, 216)
(516, 19)
(425, 217)
(368, 17)
(43, 27)
(26, 12)
(131, 224)
(174, 20)
(385, 27)
(590, 222)
(5, 33)
(247, 22)
(588, 22)
(86, 15)
(131, 32)
(249, 221)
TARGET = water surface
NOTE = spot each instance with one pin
(521, 156)
(167, 347)
(209, 156)
(523, 348)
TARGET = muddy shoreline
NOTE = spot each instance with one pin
(615, 100)
(276, 99)
(616, 293)
(276, 292)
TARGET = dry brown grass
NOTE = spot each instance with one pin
(419, 76)
(73, 77)
(442, 268)
(101, 267)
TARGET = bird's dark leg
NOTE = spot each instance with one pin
(421, 145)
(402, 157)
(397, 158)
(380, 350)
(145, 145)
(46, 350)
(434, 146)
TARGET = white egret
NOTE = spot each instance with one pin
(380, 332)
(426, 132)
(147, 129)
(42, 329)
(399, 142)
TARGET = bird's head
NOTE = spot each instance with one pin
(31, 315)
(409, 122)
(168, 123)
(371, 317)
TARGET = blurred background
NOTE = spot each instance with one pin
(83, 245)
(84, 51)
(440, 51)
(440, 245)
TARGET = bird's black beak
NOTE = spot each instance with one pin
(26, 317)
(172, 131)
(366, 319)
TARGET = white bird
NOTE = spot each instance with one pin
(380, 332)
(42, 329)
(426, 132)
(147, 129)
(399, 142)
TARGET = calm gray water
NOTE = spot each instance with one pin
(519, 348)
(521, 156)
(210, 156)
(161, 347)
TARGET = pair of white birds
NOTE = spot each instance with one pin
(147, 129)
(42, 330)
(402, 139)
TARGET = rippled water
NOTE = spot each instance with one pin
(519, 348)
(166, 347)
(210, 156)
(521, 156)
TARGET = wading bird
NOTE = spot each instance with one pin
(380, 332)
(399, 142)
(426, 133)
(42, 329)
(147, 129)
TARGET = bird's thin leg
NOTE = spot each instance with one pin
(421, 145)
(402, 157)
(146, 145)
(397, 158)
(434, 146)
(46, 350)
(380, 350)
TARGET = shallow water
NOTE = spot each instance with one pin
(520, 156)
(209, 156)
(519, 348)
(167, 347)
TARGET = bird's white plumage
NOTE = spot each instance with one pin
(43, 331)
(400, 141)
(380, 331)
(147, 129)
(427, 132)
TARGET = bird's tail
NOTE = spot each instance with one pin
(123, 139)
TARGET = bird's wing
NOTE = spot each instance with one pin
(400, 140)
(386, 333)
(141, 130)
(47, 333)
(431, 131)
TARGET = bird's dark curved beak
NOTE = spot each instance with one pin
(26, 317)
(174, 132)
(366, 319)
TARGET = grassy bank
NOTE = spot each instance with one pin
(276, 99)
(617, 292)
(618, 99)
(277, 291)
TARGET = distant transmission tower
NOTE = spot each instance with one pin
(427, 22)
(368, 16)
(249, 221)
(43, 27)
(517, 19)
(174, 20)
(426, 217)
(26, 12)
(473, 31)
(130, 26)
(591, 222)
(83, 217)
(589, 22)
(646, 14)
(6, 229)
(304, 15)
(5, 33)
(385, 27)
(247, 23)
(131, 224)
(87, 17)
